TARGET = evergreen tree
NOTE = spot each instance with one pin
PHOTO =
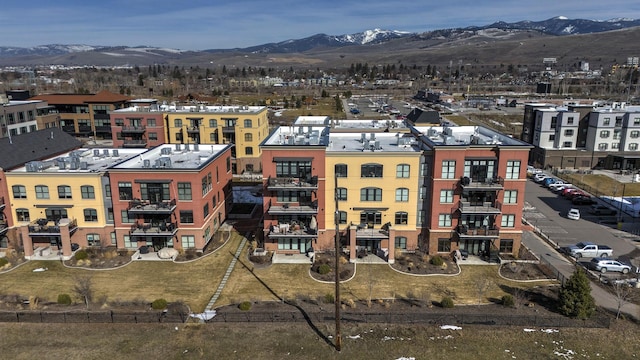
(575, 298)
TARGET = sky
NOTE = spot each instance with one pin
(223, 24)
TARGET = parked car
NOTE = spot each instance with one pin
(583, 200)
(588, 249)
(603, 265)
(559, 187)
(602, 210)
(573, 214)
(550, 180)
(574, 194)
(540, 177)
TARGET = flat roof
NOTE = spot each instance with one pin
(370, 124)
(298, 136)
(372, 142)
(82, 160)
(312, 120)
(173, 156)
(464, 136)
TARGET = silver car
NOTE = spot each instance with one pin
(603, 265)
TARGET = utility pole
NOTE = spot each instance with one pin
(337, 259)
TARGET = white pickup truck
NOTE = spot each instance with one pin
(588, 249)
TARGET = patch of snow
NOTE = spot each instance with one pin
(568, 29)
(450, 327)
(113, 54)
(529, 330)
(406, 358)
(549, 331)
(353, 337)
(40, 269)
(206, 315)
(562, 18)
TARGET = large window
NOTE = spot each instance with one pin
(444, 245)
(402, 171)
(42, 192)
(186, 217)
(125, 190)
(370, 194)
(248, 150)
(444, 220)
(342, 217)
(64, 192)
(446, 196)
(633, 146)
(184, 191)
(341, 170)
(124, 214)
(634, 134)
(206, 184)
(87, 192)
(603, 146)
(568, 132)
(341, 194)
(188, 241)
(298, 169)
(401, 218)
(90, 215)
(248, 137)
(213, 123)
(205, 210)
(604, 134)
(510, 196)
(401, 242)
(508, 220)
(93, 239)
(402, 194)
(506, 245)
(371, 170)
(247, 123)
(177, 122)
(513, 169)
(23, 215)
(19, 191)
(371, 217)
(448, 169)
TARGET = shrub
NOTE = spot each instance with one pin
(446, 302)
(329, 298)
(81, 255)
(507, 300)
(575, 298)
(64, 299)
(436, 260)
(245, 306)
(324, 269)
(3, 262)
(159, 304)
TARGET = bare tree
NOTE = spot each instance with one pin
(83, 288)
(623, 294)
(520, 297)
(482, 285)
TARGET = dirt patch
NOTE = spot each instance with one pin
(100, 258)
(523, 254)
(423, 264)
(324, 268)
(13, 259)
(526, 271)
(219, 239)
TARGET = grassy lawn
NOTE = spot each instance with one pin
(599, 185)
(193, 282)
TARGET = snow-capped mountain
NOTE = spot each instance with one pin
(561, 25)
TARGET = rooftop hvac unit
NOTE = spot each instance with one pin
(363, 138)
(300, 130)
(291, 140)
(33, 166)
(186, 147)
(96, 152)
(146, 163)
(377, 145)
(60, 163)
(373, 136)
(84, 165)
(163, 162)
(178, 147)
(115, 153)
(105, 152)
(449, 140)
(165, 151)
(448, 131)
(196, 147)
(73, 165)
(432, 132)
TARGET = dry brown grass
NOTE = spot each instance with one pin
(604, 185)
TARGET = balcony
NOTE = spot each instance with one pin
(133, 129)
(285, 183)
(482, 232)
(488, 184)
(365, 233)
(164, 229)
(3, 227)
(291, 230)
(193, 130)
(2, 203)
(45, 227)
(138, 206)
(302, 208)
(467, 207)
(139, 143)
(101, 116)
(228, 129)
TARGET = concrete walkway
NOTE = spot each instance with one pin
(227, 274)
(560, 264)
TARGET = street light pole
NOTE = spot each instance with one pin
(337, 273)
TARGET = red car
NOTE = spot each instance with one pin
(567, 191)
(576, 193)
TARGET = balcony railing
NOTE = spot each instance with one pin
(2, 203)
(133, 129)
(467, 207)
(134, 143)
(488, 184)
(279, 183)
(193, 130)
(293, 208)
(465, 231)
(228, 129)
(291, 229)
(3, 227)
(44, 227)
(138, 206)
(150, 229)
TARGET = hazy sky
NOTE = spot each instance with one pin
(222, 24)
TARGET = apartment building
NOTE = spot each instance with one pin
(139, 126)
(23, 116)
(86, 115)
(244, 126)
(474, 181)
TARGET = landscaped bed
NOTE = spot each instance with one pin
(422, 264)
(323, 267)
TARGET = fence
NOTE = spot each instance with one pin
(415, 318)
(91, 317)
(560, 276)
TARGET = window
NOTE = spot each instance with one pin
(371, 170)
(119, 122)
(444, 245)
(342, 217)
(510, 196)
(341, 170)
(178, 136)
(370, 194)
(248, 137)
(19, 191)
(42, 192)
(213, 137)
(188, 241)
(299, 169)
(636, 121)
(90, 215)
(125, 217)
(177, 123)
(567, 144)
(401, 242)
(508, 220)
(568, 132)
(153, 136)
(124, 188)
(341, 194)
(616, 134)
(110, 215)
(615, 146)
(228, 164)
(444, 220)
(446, 196)
(513, 169)
(93, 239)
(554, 122)
(570, 120)
(421, 217)
(22, 215)
(205, 210)
(422, 192)
(184, 191)
(151, 122)
(401, 218)
(402, 194)
(606, 121)
(634, 134)
(424, 169)
(506, 245)
(206, 184)
(603, 146)
(186, 217)
(371, 217)
(248, 150)
(107, 191)
(213, 123)
(64, 192)
(87, 192)
(633, 146)
(402, 171)
(247, 123)
(448, 169)
(604, 134)
(552, 137)
(114, 240)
